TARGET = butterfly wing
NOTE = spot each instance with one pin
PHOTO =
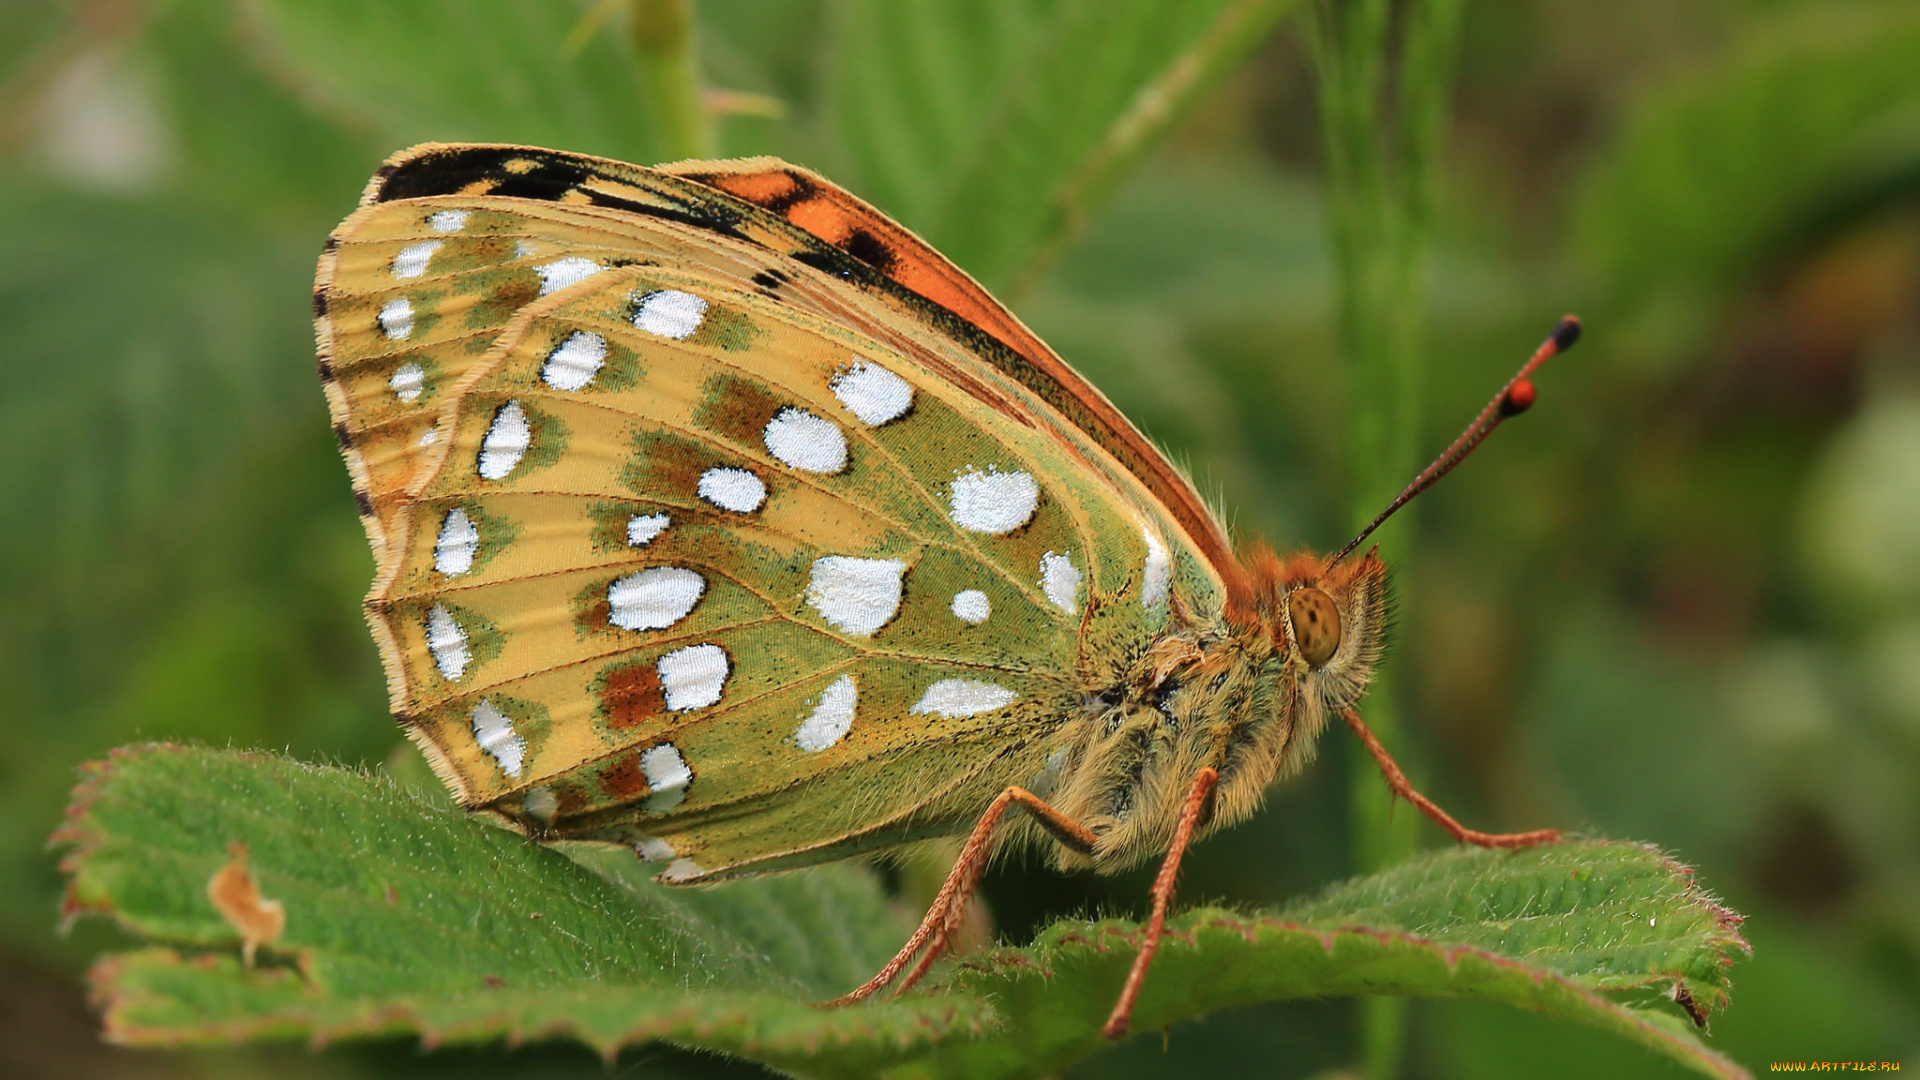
(712, 551)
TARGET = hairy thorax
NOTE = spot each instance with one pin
(1244, 689)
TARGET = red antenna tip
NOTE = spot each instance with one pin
(1516, 398)
(1519, 398)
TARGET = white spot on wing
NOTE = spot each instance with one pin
(407, 382)
(670, 313)
(541, 804)
(655, 598)
(681, 870)
(1156, 571)
(525, 249)
(493, 730)
(993, 502)
(970, 606)
(412, 260)
(561, 273)
(654, 849)
(396, 318)
(428, 437)
(1059, 580)
(668, 776)
(830, 719)
(733, 489)
(953, 698)
(447, 221)
(693, 677)
(872, 393)
(458, 543)
(506, 441)
(575, 362)
(447, 643)
(806, 442)
(665, 768)
(856, 595)
(642, 528)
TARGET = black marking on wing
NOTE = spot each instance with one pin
(831, 260)
(540, 175)
(869, 249)
(802, 190)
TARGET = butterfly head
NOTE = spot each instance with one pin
(1326, 624)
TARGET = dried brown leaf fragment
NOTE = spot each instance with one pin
(236, 895)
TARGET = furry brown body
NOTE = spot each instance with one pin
(1234, 690)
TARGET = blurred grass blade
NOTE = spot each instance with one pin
(663, 36)
(1382, 113)
(403, 916)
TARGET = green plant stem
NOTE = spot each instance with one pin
(1380, 159)
(663, 36)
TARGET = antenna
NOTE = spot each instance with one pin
(1512, 400)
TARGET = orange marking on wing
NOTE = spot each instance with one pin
(632, 695)
(622, 780)
(761, 188)
(823, 219)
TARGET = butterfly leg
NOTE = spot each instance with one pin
(1191, 815)
(1397, 780)
(950, 905)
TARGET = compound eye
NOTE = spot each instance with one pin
(1316, 624)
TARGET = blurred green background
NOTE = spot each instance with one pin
(1680, 602)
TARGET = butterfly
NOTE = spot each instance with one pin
(718, 516)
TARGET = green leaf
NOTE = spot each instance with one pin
(405, 916)
(475, 70)
(1549, 929)
(990, 126)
